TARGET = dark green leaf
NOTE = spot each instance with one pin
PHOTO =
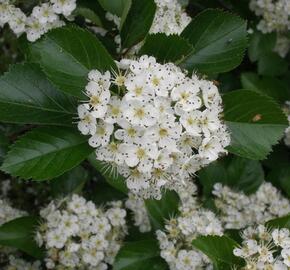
(45, 153)
(239, 173)
(261, 44)
(282, 222)
(255, 121)
(88, 14)
(161, 210)
(280, 176)
(112, 177)
(272, 64)
(177, 48)
(19, 233)
(273, 87)
(26, 96)
(67, 54)
(138, 22)
(219, 249)
(141, 255)
(4, 142)
(70, 182)
(114, 6)
(219, 39)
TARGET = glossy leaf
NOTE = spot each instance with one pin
(272, 64)
(273, 87)
(114, 6)
(141, 255)
(282, 222)
(177, 48)
(138, 22)
(219, 39)
(19, 233)
(255, 121)
(163, 209)
(219, 249)
(26, 96)
(45, 153)
(88, 14)
(70, 182)
(240, 173)
(67, 54)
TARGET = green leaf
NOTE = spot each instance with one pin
(240, 173)
(280, 176)
(261, 44)
(141, 255)
(70, 182)
(112, 177)
(219, 249)
(67, 54)
(272, 64)
(273, 87)
(19, 233)
(177, 48)
(26, 96)
(282, 222)
(114, 6)
(138, 22)
(161, 210)
(45, 153)
(255, 121)
(88, 14)
(219, 39)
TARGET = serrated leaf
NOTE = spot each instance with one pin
(219, 249)
(45, 153)
(112, 177)
(177, 48)
(141, 255)
(271, 86)
(26, 96)
(138, 22)
(240, 173)
(70, 182)
(161, 210)
(67, 54)
(255, 121)
(272, 64)
(219, 39)
(19, 233)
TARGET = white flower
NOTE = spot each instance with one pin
(87, 124)
(285, 253)
(102, 134)
(65, 7)
(44, 13)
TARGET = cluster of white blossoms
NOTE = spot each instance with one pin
(8, 213)
(139, 211)
(238, 210)
(162, 128)
(41, 20)
(287, 131)
(78, 235)
(275, 15)
(193, 221)
(263, 248)
(170, 18)
(20, 264)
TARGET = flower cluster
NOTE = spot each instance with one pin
(287, 131)
(238, 210)
(7, 212)
(263, 248)
(20, 264)
(41, 20)
(165, 126)
(169, 18)
(78, 235)
(140, 215)
(275, 15)
(193, 221)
